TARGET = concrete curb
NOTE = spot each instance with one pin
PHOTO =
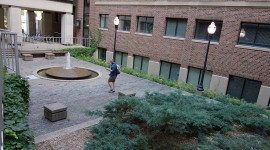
(65, 131)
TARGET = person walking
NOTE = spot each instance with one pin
(113, 74)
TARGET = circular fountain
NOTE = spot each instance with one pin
(67, 73)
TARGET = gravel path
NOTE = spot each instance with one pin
(72, 141)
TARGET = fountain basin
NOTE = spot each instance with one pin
(64, 74)
(73, 73)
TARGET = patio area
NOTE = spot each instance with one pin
(76, 95)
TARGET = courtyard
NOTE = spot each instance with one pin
(76, 95)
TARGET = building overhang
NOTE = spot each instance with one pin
(191, 4)
(44, 5)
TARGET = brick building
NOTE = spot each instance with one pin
(169, 38)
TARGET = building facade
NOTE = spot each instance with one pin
(169, 39)
(42, 17)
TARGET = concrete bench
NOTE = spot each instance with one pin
(27, 57)
(55, 111)
(49, 56)
(126, 93)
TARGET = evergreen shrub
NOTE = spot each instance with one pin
(159, 121)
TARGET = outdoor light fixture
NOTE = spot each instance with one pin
(116, 23)
(211, 30)
(242, 33)
(78, 23)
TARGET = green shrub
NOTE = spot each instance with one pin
(237, 142)
(17, 134)
(81, 52)
(161, 119)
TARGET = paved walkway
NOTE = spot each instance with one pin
(76, 95)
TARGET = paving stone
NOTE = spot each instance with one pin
(76, 95)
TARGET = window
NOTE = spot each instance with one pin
(86, 21)
(145, 25)
(121, 58)
(141, 63)
(255, 34)
(176, 27)
(169, 70)
(194, 76)
(243, 88)
(124, 23)
(102, 53)
(104, 21)
(201, 30)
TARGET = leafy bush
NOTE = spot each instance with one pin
(163, 120)
(17, 135)
(222, 98)
(81, 52)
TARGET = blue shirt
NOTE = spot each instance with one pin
(114, 70)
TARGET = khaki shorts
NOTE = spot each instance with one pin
(112, 79)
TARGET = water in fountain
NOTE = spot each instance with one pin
(68, 65)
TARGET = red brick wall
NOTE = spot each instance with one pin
(79, 15)
(224, 59)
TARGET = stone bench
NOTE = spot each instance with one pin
(55, 111)
(27, 57)
(126, 93)
(49, 56)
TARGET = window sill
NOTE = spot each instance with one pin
(253, 48)
(103, 29)
(174, 38)
(201, 41)
(145, 34)
(120, 31)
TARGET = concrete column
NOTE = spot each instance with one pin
(14, 20)
(130, 60)
(67, 28)
(2, 25)
(95, 55)
(153, 68)
(264, 96)
(219, 84)
(31, 22)
(109, 56)
(183, 75)
(47, 24)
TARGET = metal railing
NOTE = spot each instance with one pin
(9, 60)
(9, 51)
(56, 40)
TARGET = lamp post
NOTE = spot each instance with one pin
(116, 23)
(211, 30)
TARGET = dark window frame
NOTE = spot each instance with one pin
(200, 75)
(170, 71)
(121, 56)
(106, 20)
(243, 87)
(85, 17)
(141, 61)
(206, 37)
(256, 35)
(101, 49)
(175, 32)
(125, 21)
(145, 24)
